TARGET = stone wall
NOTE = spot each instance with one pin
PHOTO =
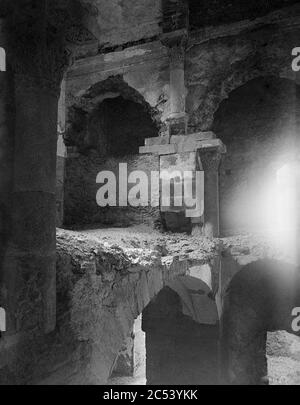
(103, 285)
(218, 60)
(116, 22)
(144, 68)
(101, 289)
(223, 59)
(80, 206)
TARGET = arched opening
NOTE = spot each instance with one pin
(179, 350)
(258, 307)
(118, 127)
(259, 123)
(175, 341)
(106, 128)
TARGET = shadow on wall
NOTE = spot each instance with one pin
(259, 299)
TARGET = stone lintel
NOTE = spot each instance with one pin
(176, 139)
(189, 143)
(198, 136)
(157, 140)
(158, 149)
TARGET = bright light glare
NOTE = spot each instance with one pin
(286, 198)
(286, 207)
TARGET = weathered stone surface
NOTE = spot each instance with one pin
(103, 284)
(80, 205)
(105, 278)
(144, 68)
(240, 59)
(119, 22)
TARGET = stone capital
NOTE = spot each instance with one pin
(210, 158)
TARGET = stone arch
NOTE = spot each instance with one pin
(109, 293)
(194, 326)
(241, 77)
(259, 299)
(101, 143)
(81, 108)
(259, 124)
(234, 61)
(220, 92)
(182, 346)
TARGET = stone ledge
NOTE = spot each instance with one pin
(176, 139)
(191, 144)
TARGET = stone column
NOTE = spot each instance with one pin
(6, 153)
(28, 289)
(177, 121)
(210, 160)
(31, 269)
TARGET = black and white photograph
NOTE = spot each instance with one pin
(149, 195)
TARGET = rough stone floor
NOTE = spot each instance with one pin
(283, 349)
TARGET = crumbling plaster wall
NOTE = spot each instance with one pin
(216, 67)
(121, 21)
(218, 60)
(144, 68)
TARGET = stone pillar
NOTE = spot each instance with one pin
(28, 289)
(177, 121)
(31, 270)
(210, 160)
(6, 153)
